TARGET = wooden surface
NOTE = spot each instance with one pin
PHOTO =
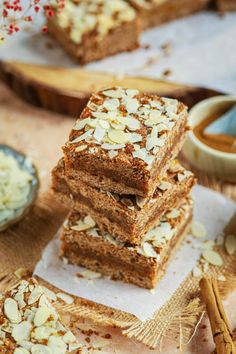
(40, 134)
(67, 90)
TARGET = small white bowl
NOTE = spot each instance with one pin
(212, 161)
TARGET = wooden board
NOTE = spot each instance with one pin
(67, 91)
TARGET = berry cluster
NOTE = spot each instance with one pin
(14, 13)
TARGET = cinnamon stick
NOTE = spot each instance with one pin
(222, 334)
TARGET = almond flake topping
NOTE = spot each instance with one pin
(36, 328)
(97, 16)
(198, 230)
(85, 224)
(230, 244)
(212, 257)
(118, 117)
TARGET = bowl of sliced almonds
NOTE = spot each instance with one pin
(19, 185)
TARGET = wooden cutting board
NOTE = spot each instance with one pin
(66, 90)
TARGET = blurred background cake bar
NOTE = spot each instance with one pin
(93, 29)
(83, 243)
(226, 5)
(126, 217)
(155, 12)
(124, 141)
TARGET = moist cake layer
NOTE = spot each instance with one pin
(141, 265)
(124, 140)
(127, 218)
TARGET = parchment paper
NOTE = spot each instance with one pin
(203, 51)
(211, 208)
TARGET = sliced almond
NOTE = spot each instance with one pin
(198, 230)
(49, 293)
(80, 124)
(69, 337)
(173, 214)
(82, 137)
(111, 104)
(21, 351)
(212, 257)
(11, 310)
(141, 201)
(99, 133)
(80, 148)
(107, 146)
(132, 105)
(22, 331)
(132, 92)
(88, 274)
(164, 185)
(89, 221)
(119, 93)
(41, 316)
(118, 136)
(230, 244)
(149, 251)
(35, 295)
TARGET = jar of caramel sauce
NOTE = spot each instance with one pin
(221, 142)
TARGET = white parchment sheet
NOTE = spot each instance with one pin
(210, 208)
(203, 52)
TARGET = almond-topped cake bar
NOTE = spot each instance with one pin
(30, 324)
(124, 141)
(156, 12)
(126, 217)
(92, 29)
(141, 265)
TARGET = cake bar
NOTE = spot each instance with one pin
(126, 217)
(92, 29)
(155, 12)
(124, 141)
(226, 5)
(141, 265)
(30, 324)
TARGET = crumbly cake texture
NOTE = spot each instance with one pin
(141, 265)
(155, 12)
(129, 217)
(92, 29)
(124, 140)
(30, 324)
(226, 5)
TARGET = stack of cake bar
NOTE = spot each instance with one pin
(129, 198)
